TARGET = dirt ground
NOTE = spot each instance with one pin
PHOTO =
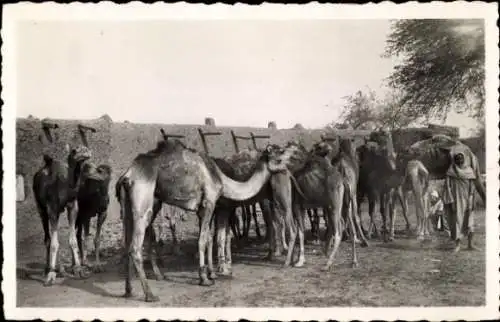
(402, 273)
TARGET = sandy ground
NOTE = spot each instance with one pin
(404, 272)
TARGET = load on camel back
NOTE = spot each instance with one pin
(453, 161)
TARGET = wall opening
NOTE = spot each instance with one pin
(20, 193)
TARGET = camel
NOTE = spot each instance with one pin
(274, 200)
(342, 151)
(177, 175)
(92, 184)
(437, 155)
(54, 189)
(319, 183)
(239, 165)
(381, 179)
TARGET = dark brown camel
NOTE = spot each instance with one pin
(92, 183)
(380, 179)
(54, 189)
(177, 175)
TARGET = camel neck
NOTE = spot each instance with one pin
(243, 190)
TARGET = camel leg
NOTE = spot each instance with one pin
(246, 221)
(46, 235)
(151, 234)
(101, 218)
(72, 210)
(384, 211)
(403, 199)
(139, 231)
(301, 230)
(282, 226)
(335, 216)
(392, 213)
(257, 228)
(142, 201)
(357, 222)
(329, 231)
(419, 202)
(82, 236)
(350, 214)
(229, 257)
(205, 215)
(272, 213)
(297, 212)
(311, 221)
(212, 275)
(175, 240)
(222, 227)
(372, 228)
(238, 220)
(54, 245)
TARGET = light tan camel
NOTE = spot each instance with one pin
(342, 151)
(177, 175)
(319, 184)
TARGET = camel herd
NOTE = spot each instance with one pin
(287, 182)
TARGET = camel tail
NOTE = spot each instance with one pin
(123, 191)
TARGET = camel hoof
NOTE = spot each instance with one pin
(325, 268)
(212, 276)
(269, 257)
(364, 243)
(152, 298)
(391, 238)
(127, 295)
(206, 282)
(316, 242)
(80, 273)
(226, 275)
(300, 263)
(456, 249)
(98, 268)
(354, 264)
(51, 278)
(472, 248)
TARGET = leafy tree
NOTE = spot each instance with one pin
(360, 110)
(365, 111)
(441, 68)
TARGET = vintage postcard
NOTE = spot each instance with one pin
(225, 162)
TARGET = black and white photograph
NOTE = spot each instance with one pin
(286, 162)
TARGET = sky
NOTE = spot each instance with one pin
(241, 73)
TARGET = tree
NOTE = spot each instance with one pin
(365, 111)
(360, 110)
(442, 66)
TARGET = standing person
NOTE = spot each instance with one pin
(458, 197)
(436, 212)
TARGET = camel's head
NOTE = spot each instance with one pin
(276, 158)
(323, 149)
(79, 153)
(383, 138)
